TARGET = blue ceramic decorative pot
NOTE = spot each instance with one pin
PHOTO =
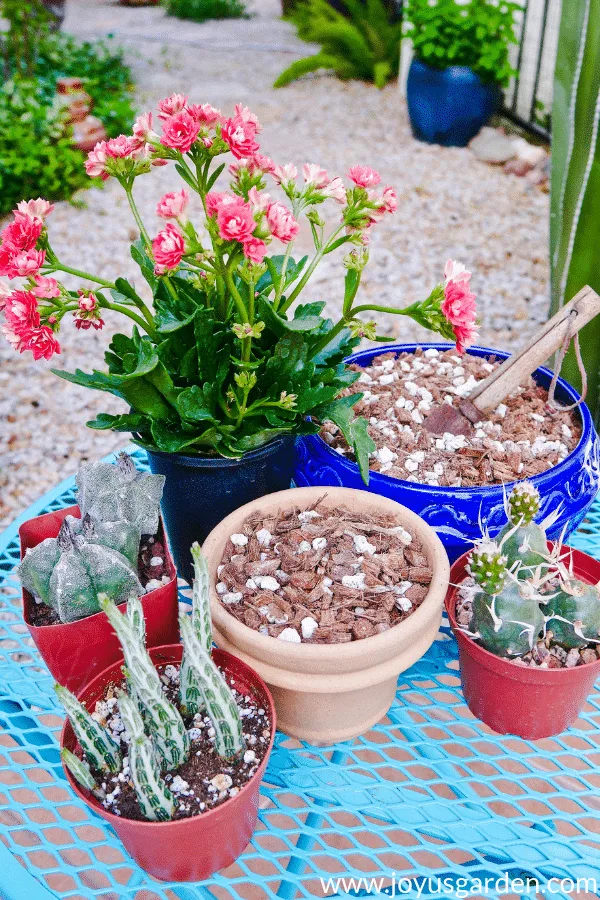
(455, 513)
(448, 106)
(200, 491)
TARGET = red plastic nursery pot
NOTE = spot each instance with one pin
(75, 652)
(532, 703)
(187, 849)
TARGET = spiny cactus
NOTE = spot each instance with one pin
(110, 493)
(573, 614)
(488, 566)
(521, 539)
(100, 749)
(68, 573)
(509, 622)
(155, 798)
(214, 691)
(80, 771)
(121, 536)
(162, 718)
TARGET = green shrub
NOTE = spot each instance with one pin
(364, 45)
(36, 154)
(476, 34)
(201, 10)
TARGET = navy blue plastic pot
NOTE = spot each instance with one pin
(200, 491)
(448, 106)
(455, 513)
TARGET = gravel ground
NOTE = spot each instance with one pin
(450, 205)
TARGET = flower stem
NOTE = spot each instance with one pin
(61, 267)
(144, 325)
(136, 215)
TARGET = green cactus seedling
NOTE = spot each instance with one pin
(488, 566)
(80, 771)
(508, 623)
(99, 747)
(573, 614)
(522, 539)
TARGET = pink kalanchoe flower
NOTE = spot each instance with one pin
(42, 343)
(45, 288)
(213, 201)
(172, 105)
(459, 305)
(180, 131)
(239, 132)
(23, 232)
(259, 201)
(315, 176)
(282, 223)
(390, 201)
(21, 312)
(87, 302)
(254, 249)
(120, 147)
(173, 205)
(5, 292)
(364, 176)
(35, 209)
(95, 164)
(88, 314)
(285, 175)
(28, 262)
(262, 162)
(168, 247)
(235, 220)
(204, 113)
(142, 131)
(336, 189)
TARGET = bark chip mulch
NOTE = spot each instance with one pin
(322, 576)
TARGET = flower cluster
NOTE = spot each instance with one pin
(458, 305)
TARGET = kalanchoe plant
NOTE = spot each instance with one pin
(97, 553)
(524, 593)
(225, 358)
(157, 739)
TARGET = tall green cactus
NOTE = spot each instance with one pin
(80, 771)
(575, 179)
(162, 718)
(155, 798)
(100, 749)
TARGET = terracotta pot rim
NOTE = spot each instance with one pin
(175, 652)
(352, 650)
(499, 664)
(27, 597)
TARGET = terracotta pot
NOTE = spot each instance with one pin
(187, 849)
(531, 702)
(331, 692)
(75, 652)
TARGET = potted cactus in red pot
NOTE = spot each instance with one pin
(113, 542)
(171, 749)
(224, 368)
(526, 615)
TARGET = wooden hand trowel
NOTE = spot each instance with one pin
(492, 390)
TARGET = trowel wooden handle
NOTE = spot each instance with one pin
(571, 318)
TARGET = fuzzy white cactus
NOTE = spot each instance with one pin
(209, 685)
(155, 798)
(162, 718)
(100, 749)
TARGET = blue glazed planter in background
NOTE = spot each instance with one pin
(455, 513)
(448, 106)
(200, 491)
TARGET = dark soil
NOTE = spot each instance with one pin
(40, 614)
(203, 765)
(522, 437)
(322, 575)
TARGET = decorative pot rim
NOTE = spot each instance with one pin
(352, 650)
(222, 462)
(173, 652)
(499, 664)
(26, 595)
(458, 69)
(439, 491)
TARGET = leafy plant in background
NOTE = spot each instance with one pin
(227, 358)
(364, 45)
(476, 33)
(202, 10)
(575, 178)
(36, 154)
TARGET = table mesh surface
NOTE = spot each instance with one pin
(428, 792)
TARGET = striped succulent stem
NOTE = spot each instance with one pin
(163, 719)
(99, 748)
(575, 179)
(80, 771)
(201, 599)
(207, 682)
(155, 798)
(135, 614)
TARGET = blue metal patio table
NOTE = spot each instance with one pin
(429, 793)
